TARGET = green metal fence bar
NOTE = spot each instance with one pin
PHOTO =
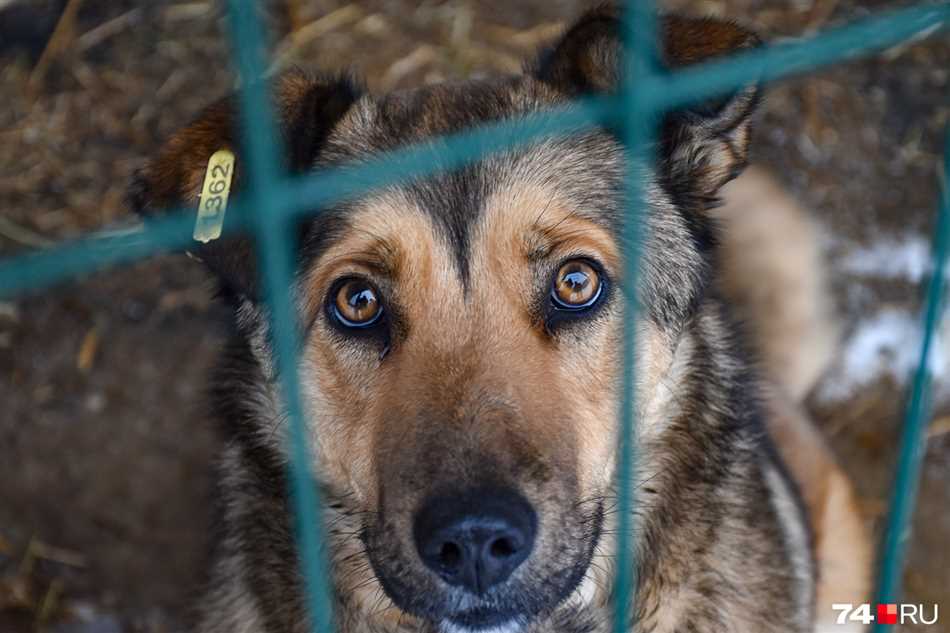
(447, 153)
(913, 437)
(275, 250)
(88, 254)
(636, 124)
(660, 91)
(34, 270)
(778, 61)
(297, 197)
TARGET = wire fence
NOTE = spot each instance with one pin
(273, 202)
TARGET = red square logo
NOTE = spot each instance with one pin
(887, 614)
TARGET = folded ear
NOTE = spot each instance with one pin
(307, 110)
(701, 147)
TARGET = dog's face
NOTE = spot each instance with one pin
(462, 353)
(460, 363)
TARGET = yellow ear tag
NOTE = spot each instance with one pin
(214, 196)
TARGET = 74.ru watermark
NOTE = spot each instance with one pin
(890, 613)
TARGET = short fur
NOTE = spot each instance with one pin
(474, 380)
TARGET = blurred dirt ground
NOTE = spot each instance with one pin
(104, 451)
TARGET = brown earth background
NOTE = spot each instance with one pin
(104, 454)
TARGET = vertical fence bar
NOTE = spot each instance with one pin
(275, 247)
(913, 437)
(635, 121)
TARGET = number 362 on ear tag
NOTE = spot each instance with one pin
(214, 196)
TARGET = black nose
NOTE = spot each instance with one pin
(475, 540)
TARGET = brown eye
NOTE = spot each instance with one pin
(576, 286)
(356, 304)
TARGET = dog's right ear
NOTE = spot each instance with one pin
(702, 146)
(307, 109)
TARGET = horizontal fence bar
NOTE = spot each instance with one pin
(913, 436)
(779, 61)
(301, 195)
(443, 154)
(296, 198)
(37, 269)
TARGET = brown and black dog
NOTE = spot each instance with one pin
(461, 370)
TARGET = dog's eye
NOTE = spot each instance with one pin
(576, 285)
(356, 304)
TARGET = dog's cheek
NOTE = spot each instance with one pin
(588, 380)
(339, 416)
(592, 374)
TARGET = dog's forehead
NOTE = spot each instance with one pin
(514, 193)
(417, 114)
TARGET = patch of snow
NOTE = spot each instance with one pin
(887, 343)
(908, 258)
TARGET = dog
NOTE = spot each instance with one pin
(461, 362)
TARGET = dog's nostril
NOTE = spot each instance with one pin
(450, 555)
(502, 548)
(475, 540)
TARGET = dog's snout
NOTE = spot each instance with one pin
(475, 540)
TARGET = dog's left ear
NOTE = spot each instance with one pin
(307, 110)
(701, 147)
